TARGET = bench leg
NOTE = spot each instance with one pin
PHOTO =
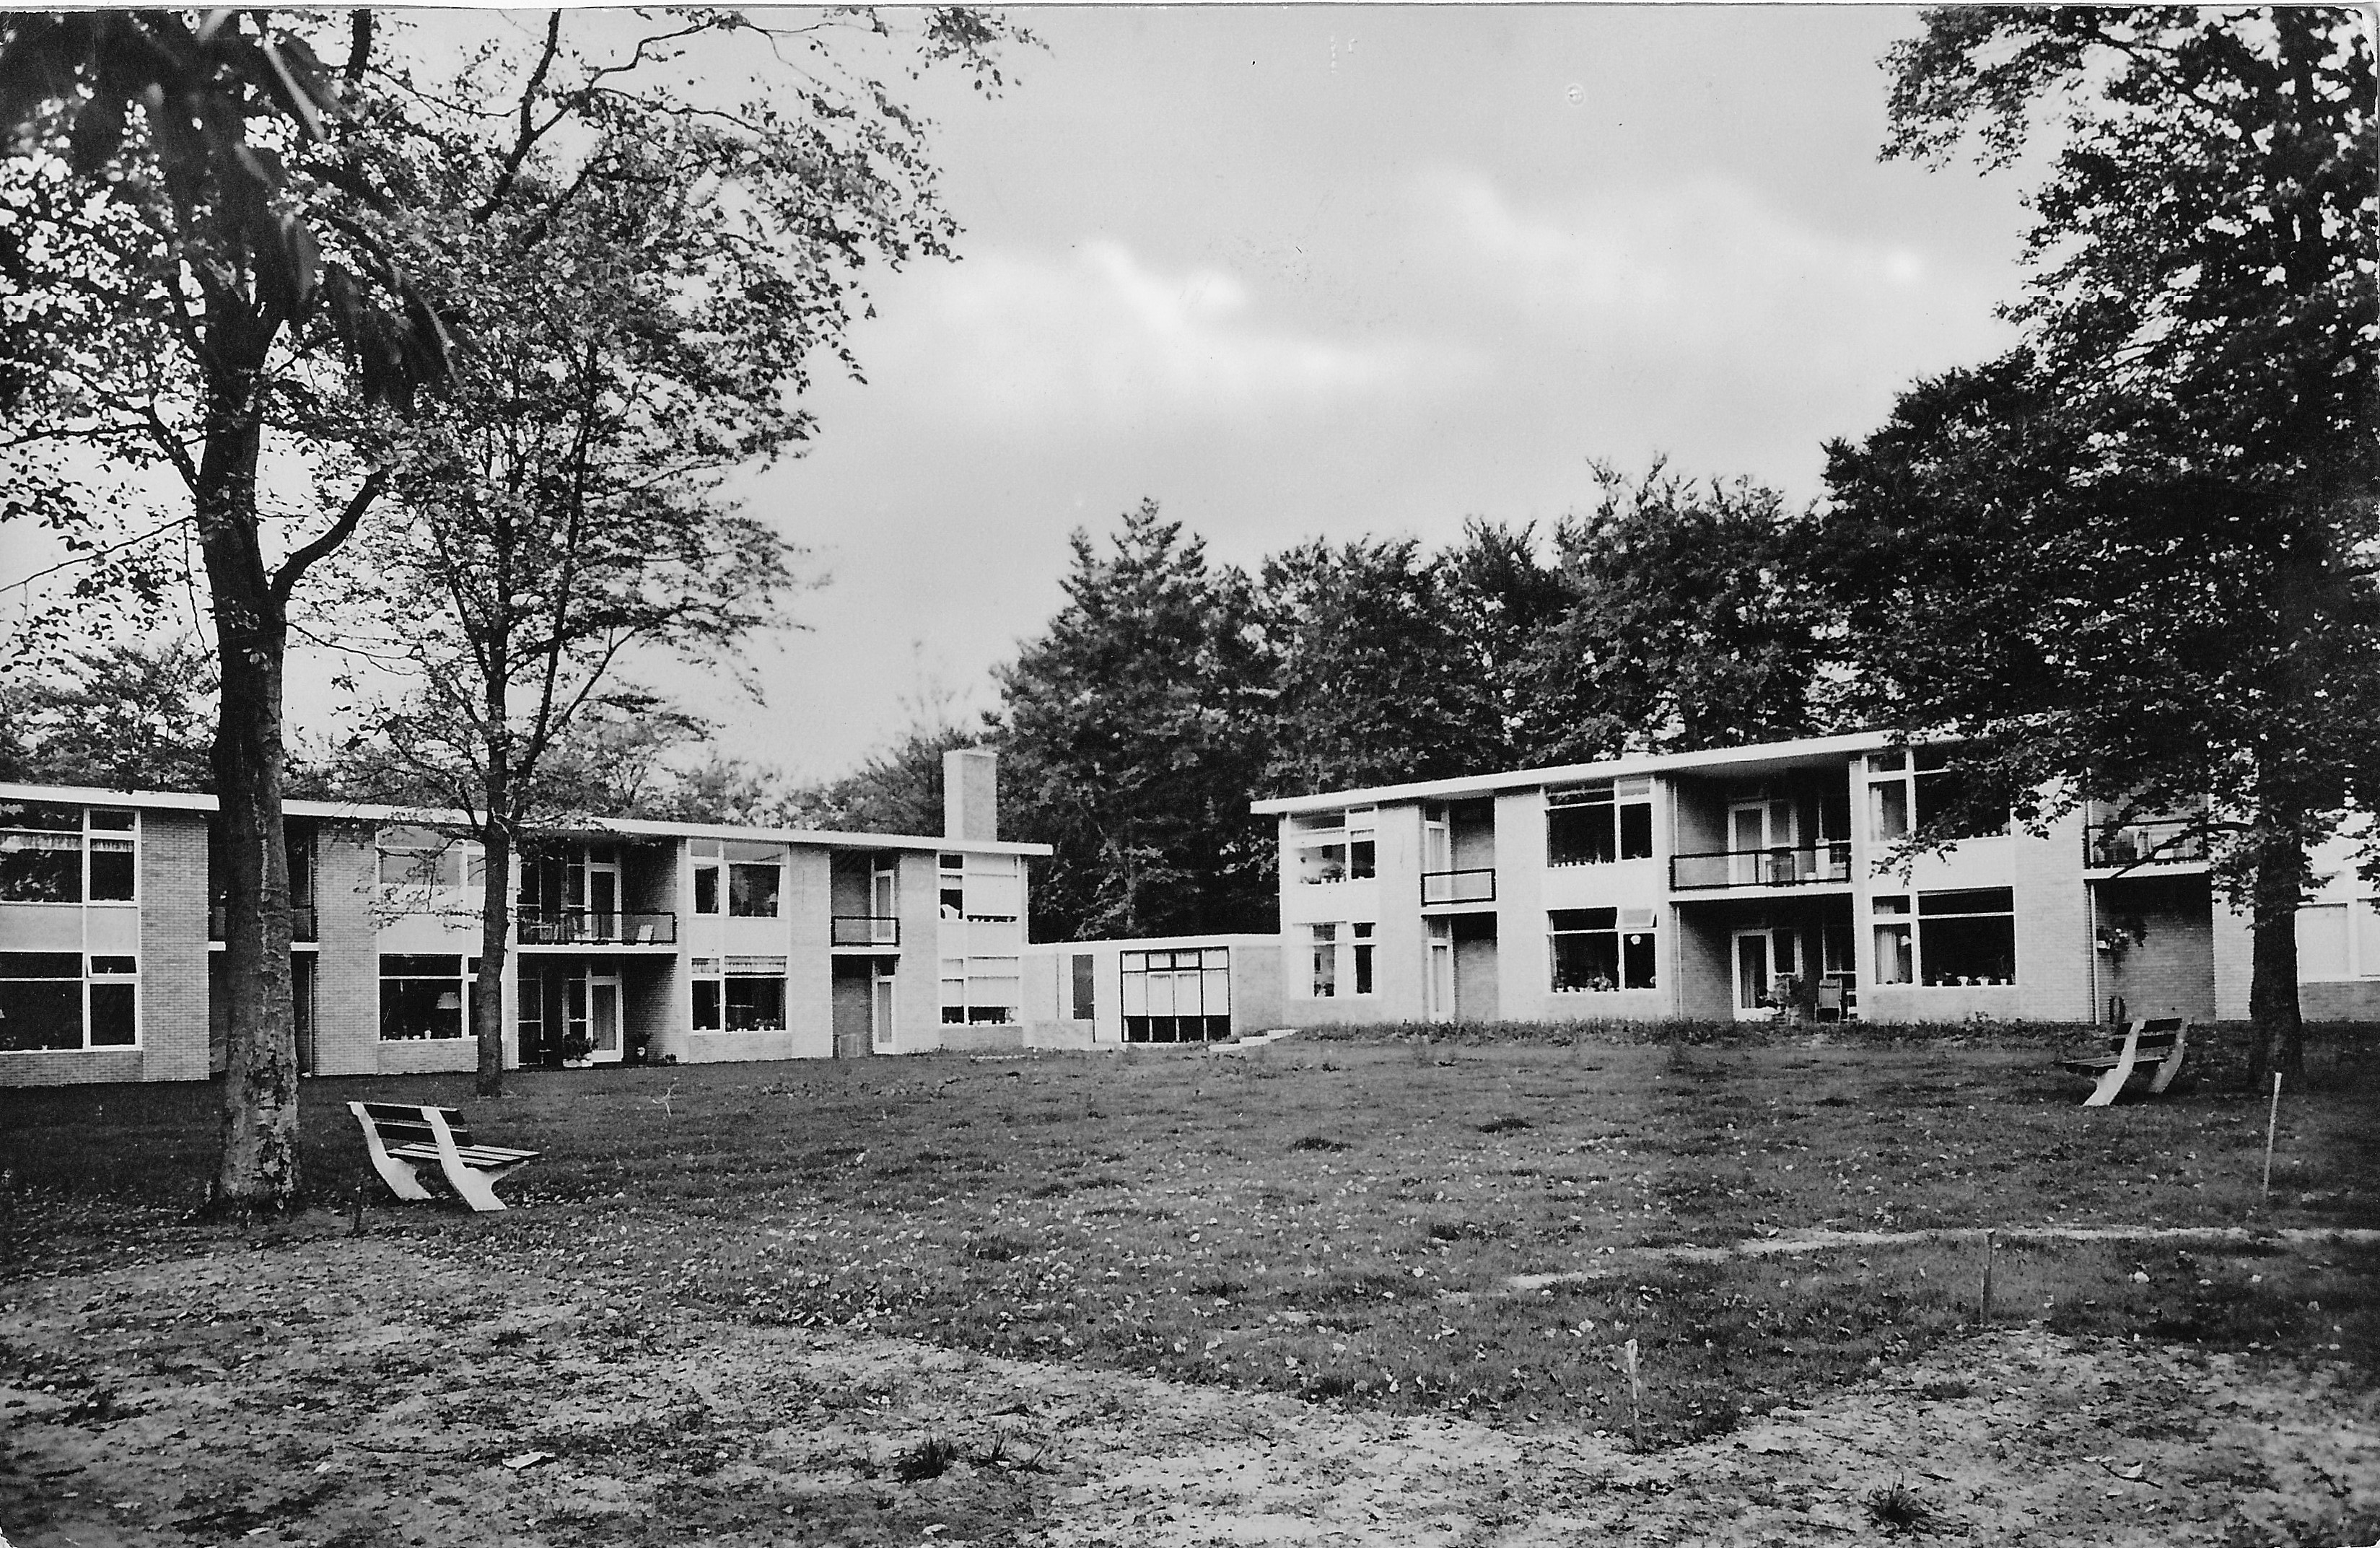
(2166, 1072)
(402, 1179)
(471, 1187)
(2110, 1084)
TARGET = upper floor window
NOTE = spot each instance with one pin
(68, 854)
(756, 877)
(426, 858)
(1905, 793)
(1593, 825)
(987, 889)
(1333, 846)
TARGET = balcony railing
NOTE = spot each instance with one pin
(1808, 865)
(2158, 843)
(866, 929)
(588, 927)
(302, 926)
(1475, 884)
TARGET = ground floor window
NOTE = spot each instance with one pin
(981, 991)
(424, 997)
(1177, 997)
(1960, 938)
(64, 1001)
(1340, 960)
(739, 994)
(1596, 950)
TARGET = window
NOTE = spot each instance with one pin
(1323, 983)
(981, 991)
(1177, 997)
(1598, 950)
(2338, 940)
(985, 889)
(706, 888)
(1086, 976)
(61, 1001)
(1905, 794)
(1896, 960)
(424, 997)
(1328, 847)
(1967, 937)
(1959, 938)
(756, 1002)
(427, 858)
(755, 876)
(739, 994)
(1595, 824)
(1363, 957)
(45, 856)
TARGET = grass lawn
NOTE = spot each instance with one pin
(1340, 1219)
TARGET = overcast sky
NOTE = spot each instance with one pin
(1338, 269)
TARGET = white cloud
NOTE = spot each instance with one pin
(1100, 335)
(1709, 270)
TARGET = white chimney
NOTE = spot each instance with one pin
(971, 794)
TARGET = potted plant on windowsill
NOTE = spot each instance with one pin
(575, 1047)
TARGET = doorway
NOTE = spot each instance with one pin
(880, 1024)
(1754, 829)
(605, 1045)
(1762, 958)
(1439, 983)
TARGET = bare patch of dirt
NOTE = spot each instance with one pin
(338, 1392)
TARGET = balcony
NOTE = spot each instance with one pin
(1477, 884)
(864, 929)
(2165, 842)
(585, 927)
(302, 925)
(1808, 865)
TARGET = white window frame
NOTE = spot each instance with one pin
(987, 969)
(1311, 836)
(1625, 923)
(1612, 794)
(86, 841)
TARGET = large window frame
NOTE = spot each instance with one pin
(982, 991)
(36, 837)
(1907, 788)
(737, 995)
(1178, 996)
(1602, 951)
(414, 990)
(1602, 822)
(1951, 938)
(93, 1000)
(426, 861)
(1327, 848)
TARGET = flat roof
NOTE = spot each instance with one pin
(366, 812)
(1754, 758)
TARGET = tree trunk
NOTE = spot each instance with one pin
(2277, 1039)
(259, 1171)
(487, 990)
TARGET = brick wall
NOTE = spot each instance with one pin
(2054, 944)
(173, 946)
(346, 983)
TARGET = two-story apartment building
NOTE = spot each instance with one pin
(1722, 882)
(631, 939)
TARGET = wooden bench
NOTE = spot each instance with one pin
(2141, 1045)
(404, 1140)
